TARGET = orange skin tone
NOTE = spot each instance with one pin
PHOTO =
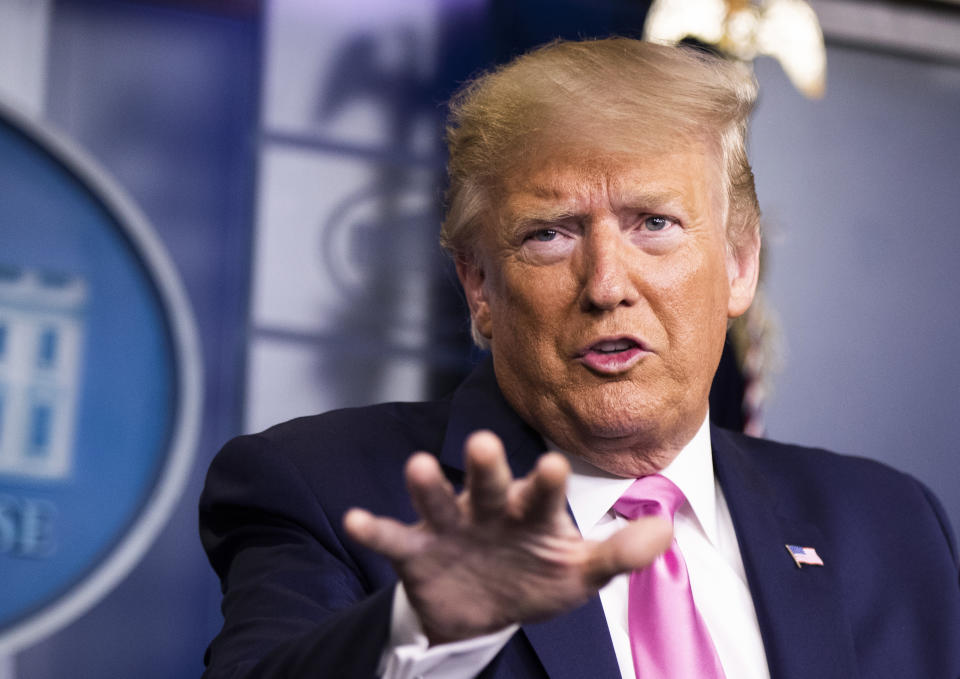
(636, 247)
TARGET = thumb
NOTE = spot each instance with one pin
(631, 548)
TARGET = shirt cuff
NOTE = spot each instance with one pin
(409, 655)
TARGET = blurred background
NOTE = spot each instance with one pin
(215, 216)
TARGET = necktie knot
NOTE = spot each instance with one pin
(653, 495)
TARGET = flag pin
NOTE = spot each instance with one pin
(804, 555)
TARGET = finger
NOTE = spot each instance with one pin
(386, 536)
(542, 496)
(631, 548)
(431, 493)
(488, 476)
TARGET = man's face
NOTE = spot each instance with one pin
(604, 288)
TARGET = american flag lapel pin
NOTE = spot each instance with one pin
(804, 555)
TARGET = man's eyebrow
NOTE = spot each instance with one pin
(643, 198)
(545, 214)
(543, 211)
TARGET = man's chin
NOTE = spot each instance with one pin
(608, 423)
(621, 416)
(617, 407)
(623, 448)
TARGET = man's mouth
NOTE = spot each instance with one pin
(613, 355)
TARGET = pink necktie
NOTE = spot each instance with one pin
(668, 637)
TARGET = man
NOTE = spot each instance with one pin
(604, 224)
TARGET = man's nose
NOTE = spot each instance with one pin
(607, 269)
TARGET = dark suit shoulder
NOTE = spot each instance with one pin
(810, 467)
(375, 429)
(835, 487)
(347, 457)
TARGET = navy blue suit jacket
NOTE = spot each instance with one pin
(301, 600)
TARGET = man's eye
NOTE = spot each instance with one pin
(543, 235)
(656, 223)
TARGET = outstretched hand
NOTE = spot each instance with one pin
(504, 550)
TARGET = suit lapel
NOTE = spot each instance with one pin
(805, 631)
(570, 646)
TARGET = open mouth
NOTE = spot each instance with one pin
(614, 355)
(613, 346)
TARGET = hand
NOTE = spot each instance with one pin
(504, 550)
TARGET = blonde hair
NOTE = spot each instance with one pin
(633, 90)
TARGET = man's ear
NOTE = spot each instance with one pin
(472, 277)
(743, 272)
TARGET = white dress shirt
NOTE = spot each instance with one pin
(704, 532)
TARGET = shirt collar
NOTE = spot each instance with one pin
(592, 492)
